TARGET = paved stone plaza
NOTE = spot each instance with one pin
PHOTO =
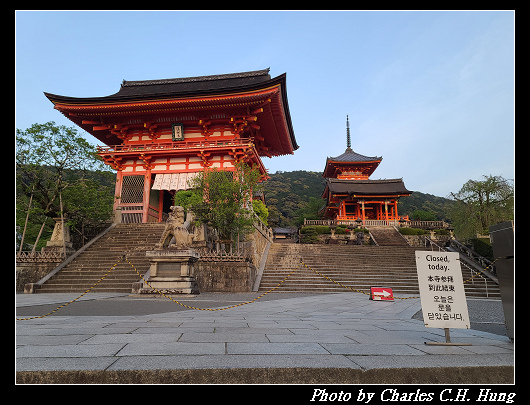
(339, 332)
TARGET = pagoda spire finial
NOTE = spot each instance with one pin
(348, 139)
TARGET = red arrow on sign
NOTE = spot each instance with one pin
(381, 294)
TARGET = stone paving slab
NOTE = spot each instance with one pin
(64, 363)
(370, 350)
(224, 337)
(173, 348)
(250, 361)
(70, 351)
(51, 340)
(147, 338)
(441, 360)
(275, 348)
(341, 331)
(26, 300)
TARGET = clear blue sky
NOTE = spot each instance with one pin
(431, 92)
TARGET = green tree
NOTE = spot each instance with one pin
(481, 203)
(53, 162)
(261, 210)
(44, 152)
(422, 215)
(223, 199)
(87, 202)
(186, 198)
(274, 216)
(310, 210)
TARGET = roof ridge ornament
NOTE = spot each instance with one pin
(254, 73)
(348, 138)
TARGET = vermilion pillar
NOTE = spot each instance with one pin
(147, 190)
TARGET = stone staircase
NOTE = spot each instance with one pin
(359, 267)
(129, 239)
(387, 236)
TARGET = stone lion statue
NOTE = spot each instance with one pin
(176, 233)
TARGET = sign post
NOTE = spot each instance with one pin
(443, 299)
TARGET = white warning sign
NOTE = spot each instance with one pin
(443, 299)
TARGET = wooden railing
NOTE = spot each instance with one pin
(426, 224)
(379, 222)
(149, 147)
(55, 256)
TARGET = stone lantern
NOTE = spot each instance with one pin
(332, 229)
(351, 227)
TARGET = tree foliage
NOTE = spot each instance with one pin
(482, 203)
(221, 199)
(421, 206)
(422, 215)
(288, 196)
(261, 210)
(52, 161)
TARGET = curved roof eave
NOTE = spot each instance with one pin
(233, 84)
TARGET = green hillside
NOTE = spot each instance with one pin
(291, 196)
(439, 206)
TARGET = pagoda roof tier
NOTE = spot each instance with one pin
(250, 99)
(349, 160)
(351, 156)
(366, 188)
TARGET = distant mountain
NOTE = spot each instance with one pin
(440, 206)
(291, 195)
(288, 192)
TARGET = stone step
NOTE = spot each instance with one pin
(129, 239)
(76, 289)
(359, 267)
(93, 279)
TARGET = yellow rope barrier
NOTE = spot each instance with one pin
(211, 309)
(74, 300)
(231, 306)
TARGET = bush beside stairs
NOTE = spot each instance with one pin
(129, 239)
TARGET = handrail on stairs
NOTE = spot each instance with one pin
(400, 234)
(372, 236)
(471, 254)
(30, 288)
(481, 273)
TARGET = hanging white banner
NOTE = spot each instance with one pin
(157, 184)
(182, 185)
(166, 181)
(174, 181)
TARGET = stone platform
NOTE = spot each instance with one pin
(320, 338)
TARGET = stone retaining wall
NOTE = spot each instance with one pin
(225, 276)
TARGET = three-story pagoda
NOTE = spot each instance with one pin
(350, 193)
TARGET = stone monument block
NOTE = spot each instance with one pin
(172, 271)
(56, 241)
